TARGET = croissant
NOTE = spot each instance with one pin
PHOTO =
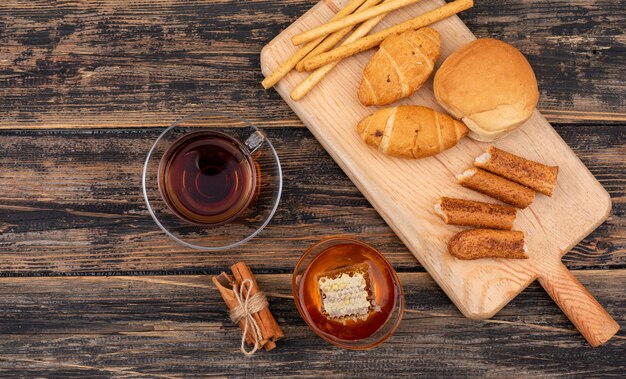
(400, 66)
(411, 131)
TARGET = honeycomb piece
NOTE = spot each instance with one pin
(346, 292)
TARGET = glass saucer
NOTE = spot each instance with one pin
(235, 232)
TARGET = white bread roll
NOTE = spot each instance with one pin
(489, 85)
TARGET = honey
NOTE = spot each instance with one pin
(363, 284)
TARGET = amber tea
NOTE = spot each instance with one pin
(207, 177)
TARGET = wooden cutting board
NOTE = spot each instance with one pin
(403, 191)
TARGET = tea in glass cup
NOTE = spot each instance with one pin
(209, 177)
(212, 181)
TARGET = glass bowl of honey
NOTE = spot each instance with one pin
(348, 293)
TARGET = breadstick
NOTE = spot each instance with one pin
(488, 243)
(311, 81)
(290, 63)
(497, 187)
(375, 39)
(475, 213)
(330, 41)
(531, 174)
(352, 19)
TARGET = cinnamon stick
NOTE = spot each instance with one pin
(224, 284)
(270, 330)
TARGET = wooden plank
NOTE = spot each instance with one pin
(136, 326)
(571, 45)
(108, 64)
(71, 202)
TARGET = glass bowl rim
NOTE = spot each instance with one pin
(333, 241)
(156, 219)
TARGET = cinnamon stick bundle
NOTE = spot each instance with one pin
(269, 329)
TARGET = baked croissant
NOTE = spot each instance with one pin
(411, 131)
(400, 66)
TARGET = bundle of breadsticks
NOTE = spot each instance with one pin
(318, 49)
(508, 178)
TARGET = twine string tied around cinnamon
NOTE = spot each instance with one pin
(248, 306)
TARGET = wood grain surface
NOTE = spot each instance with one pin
(155, 326)
(71, 206)
(72, 203)
(110, 64)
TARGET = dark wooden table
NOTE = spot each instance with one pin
(90, 286)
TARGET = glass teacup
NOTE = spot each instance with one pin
(212, 181)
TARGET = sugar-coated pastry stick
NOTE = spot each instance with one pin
(353, 19)
(475, 213)
(311, 81)
(330, 41)
(497, 187)
(290, 63)
(488, 243)
(375, 39)
(531, 174)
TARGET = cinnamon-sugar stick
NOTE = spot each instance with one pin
(497, 187)
(528, 173)
(270, 331)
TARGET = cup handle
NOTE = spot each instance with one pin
(255, 140)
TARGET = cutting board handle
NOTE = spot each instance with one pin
(583, 310)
